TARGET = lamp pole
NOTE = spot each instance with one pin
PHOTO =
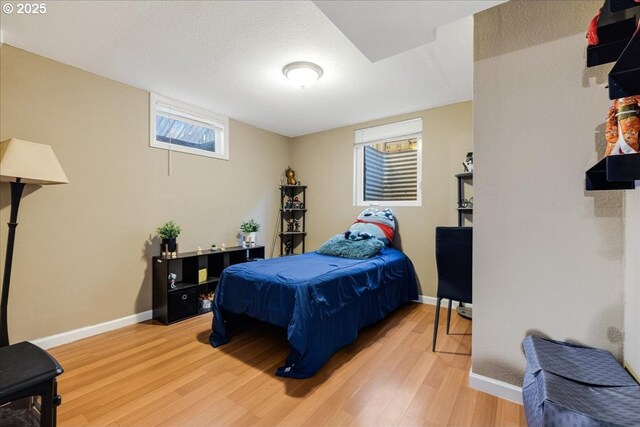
(16, 195)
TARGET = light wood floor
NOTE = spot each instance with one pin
(149, 374)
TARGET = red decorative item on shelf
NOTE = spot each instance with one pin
(592, 32)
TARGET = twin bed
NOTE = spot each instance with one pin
(321, 300)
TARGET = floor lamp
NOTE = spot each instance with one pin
(22, 162)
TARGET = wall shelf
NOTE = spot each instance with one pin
(621, 5)
(619, 40)
(614, 173)
(616, 26)
(624, 78)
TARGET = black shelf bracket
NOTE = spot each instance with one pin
(614, 173)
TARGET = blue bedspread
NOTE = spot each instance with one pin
(322, 300)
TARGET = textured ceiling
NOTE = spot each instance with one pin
(381, 29)
(227, 56)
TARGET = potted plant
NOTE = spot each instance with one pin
(168, 233)
(249, 229)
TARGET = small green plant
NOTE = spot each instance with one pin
(250, 226)
(169, 230)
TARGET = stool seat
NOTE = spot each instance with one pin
(24, 365)
(27, 371)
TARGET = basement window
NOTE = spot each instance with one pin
(176, 126)
(388, 165)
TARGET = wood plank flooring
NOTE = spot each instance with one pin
(154, 375)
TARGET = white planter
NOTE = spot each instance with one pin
(250, 237)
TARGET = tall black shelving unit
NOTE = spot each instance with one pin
(292, 212)
(463, 211)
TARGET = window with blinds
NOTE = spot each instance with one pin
(179, 127)
(388, 164)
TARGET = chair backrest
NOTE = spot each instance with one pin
(453, 259)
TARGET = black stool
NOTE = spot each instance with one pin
(27, 371)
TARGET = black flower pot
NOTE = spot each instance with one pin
(170, 242)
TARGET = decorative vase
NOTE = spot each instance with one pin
(171, 243)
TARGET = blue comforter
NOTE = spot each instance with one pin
(322, 301)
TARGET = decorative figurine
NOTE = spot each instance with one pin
(290, 224)
(213, 247)
(174, 255)
(296, 225)
(205, 300)
(172, 280)
(289, 203)
(468, 163)
(622, 127)
(288, 248)
(223, 247)
(291, 176)
(198, 250)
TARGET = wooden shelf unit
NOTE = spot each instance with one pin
(172, 305)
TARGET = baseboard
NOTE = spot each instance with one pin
(423, 299)
(89, 331)
(494, 387)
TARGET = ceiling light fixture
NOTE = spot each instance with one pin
(302, 73)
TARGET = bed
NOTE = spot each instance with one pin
(321, 300)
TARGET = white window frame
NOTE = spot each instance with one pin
(380, 134)
(217, 122)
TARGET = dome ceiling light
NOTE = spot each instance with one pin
(302, 73)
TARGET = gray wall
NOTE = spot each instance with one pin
(547, 255)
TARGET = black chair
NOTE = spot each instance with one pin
(453, 260)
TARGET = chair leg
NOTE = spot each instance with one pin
(449, 316)
(435, 324)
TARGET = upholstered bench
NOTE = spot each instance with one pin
(570, 385)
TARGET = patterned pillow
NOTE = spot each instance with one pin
(373, 223)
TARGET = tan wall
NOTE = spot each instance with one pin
(324, 162)
(83, 250)
(547, 255)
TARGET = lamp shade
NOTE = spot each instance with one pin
(33, 163)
